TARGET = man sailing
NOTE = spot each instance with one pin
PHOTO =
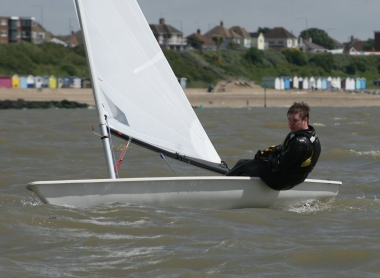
(284, 166)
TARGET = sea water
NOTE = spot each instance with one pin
(340, 237)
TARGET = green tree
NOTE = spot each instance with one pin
(253, 55)
(369, 44)
(218, 39)
(263, 30)
(295, 56)
(325, 61)
(233, 45)
(319, 37)
(351, 69)
(195, 42)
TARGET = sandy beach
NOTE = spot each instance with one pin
(230, 97)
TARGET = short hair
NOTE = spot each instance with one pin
(299, 107)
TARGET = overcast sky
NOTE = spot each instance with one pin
(340, 18)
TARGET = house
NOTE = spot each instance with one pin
(228, 35)
(167, 36)
(308, 46)
(245, 40)
(71, 40)
(207, 43)
(354, 46)
(39, 33)
(278, 38)
(15, 29)
(258, 40)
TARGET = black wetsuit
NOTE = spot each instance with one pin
(284, 166)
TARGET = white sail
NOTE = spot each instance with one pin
(137, 87)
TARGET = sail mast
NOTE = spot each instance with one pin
(98, 102)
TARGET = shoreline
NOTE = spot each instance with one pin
(252, 97)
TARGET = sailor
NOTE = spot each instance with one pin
(284, 166)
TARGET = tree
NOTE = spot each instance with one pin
(253, 55)
(319, 37)
(295, 56)
(233, 45)
(195, 42)
(369, 44)
(351, 69)
(324, 61)
(218, 39)
(263, 30)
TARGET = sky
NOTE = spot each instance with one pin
(341, 19)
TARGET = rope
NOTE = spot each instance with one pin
(121, 158)
(163, 157)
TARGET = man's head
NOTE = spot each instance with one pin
(298, 116)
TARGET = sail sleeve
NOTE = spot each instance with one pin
(136, 84)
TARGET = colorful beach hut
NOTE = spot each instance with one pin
(312, 84)
(23, 83)
(52, 82)
(15, 81)
(86, 83)
(38, 82)
(60, 82)
(45, 81)
(363, 82)
(5, 81)
(295, 82)
(77, 83)
(30, 81)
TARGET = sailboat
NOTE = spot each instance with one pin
(139, 99)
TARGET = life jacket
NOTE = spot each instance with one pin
(308, 164)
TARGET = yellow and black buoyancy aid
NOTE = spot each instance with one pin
(309, 163)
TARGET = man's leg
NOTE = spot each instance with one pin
(247, 167)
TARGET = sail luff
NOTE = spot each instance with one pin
(138, 88)
(98, 103)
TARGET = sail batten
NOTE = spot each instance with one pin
(136, 84)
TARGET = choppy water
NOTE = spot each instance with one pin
(339, 238)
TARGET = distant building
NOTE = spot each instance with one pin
(354, 45)
(245, 40)
(228, 35)
(167, 36)
(309, 46)
(72, 40)
(278, 38)
(258, 40)
(207, 43)
(15, 29)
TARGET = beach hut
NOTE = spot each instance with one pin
(52, 82)
(269, 82)
(358, 84)
(5, 81)
(76, 83)
(286, 83)
(38, 82)
(338, 83)
(318, 83)
(60, 82)
(67, 82)
(182, 82)
(30, 81)
(296, 82)
(329, 80)
(15, 81)
(363, 82)
(277, 83)
(282, 83)
(312, 84)
(306, 83)
(300, 83)
(23, 82)
(45, 81)
(324, 83)
(86, 83)
(349, 84)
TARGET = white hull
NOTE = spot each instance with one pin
(189, 192)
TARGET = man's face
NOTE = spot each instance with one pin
(295, 122)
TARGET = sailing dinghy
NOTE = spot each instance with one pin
(139, 99)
